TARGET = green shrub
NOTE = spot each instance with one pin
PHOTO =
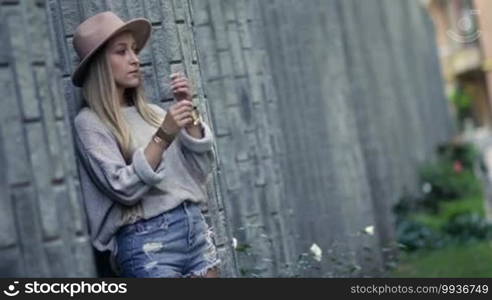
(450, 209)
(416, 235)
(466, 153)
(466, 227)
(446, 184)
(462, 101)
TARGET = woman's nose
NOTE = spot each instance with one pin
(134, 58)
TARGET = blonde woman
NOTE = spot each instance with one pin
(143, 168)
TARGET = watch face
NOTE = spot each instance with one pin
(157, 139)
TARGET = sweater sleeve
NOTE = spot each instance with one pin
(197, 145)
(100, 154)
(198, 153)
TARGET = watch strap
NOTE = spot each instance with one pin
(161, 133)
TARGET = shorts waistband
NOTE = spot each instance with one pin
(131, 227)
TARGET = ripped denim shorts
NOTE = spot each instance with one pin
(176, 243)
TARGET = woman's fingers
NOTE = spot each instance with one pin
(182, 91)
(182, 106)
(178, 121)
(179, 79)
(180, 85)
(180, 82)
(182, 110)
(182, 103)
(184, 86)
(182, 115)
(185, 121)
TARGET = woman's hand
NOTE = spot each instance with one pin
(177, 117)
(180, 87)
(182, 92)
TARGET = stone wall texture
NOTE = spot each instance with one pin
(322, 112)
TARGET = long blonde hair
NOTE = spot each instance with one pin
(100, 93)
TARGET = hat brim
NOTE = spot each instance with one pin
(141, 29)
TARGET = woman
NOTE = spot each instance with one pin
(144, 169)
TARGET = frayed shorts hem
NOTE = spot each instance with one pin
(202, 272)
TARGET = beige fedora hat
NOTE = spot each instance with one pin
(91, 35)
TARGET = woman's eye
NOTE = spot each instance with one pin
(121, 51)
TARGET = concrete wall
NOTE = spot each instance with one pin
(322, 111)
(43, 230)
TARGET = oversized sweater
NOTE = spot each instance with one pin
(116, 193)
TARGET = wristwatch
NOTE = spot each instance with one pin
(162, 134)
(157, 139)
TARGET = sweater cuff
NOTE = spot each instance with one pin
(197, 145)
(144, 170)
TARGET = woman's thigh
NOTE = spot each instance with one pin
(174, 244)
(153, 248)
(203, 260)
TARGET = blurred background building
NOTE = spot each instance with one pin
(464, 38)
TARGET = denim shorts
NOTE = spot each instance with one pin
(176, 243)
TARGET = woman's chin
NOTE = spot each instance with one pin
(130, 84)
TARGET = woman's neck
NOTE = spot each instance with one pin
(121, 97)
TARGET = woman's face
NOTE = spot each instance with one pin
(125, 65)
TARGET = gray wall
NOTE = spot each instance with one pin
(322, 112)
(43, 232)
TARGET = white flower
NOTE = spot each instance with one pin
(369, 230)
(427, 188)
(234, 243)
(316, 251)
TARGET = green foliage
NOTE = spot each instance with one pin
(447, 210)
(451, 176)
(415, 235)
(451, 208)
(466, 153)
(468, 227)
(446, 183)
(469, 260)
(460, 221)
(462, 101)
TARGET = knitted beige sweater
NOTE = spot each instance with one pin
(116, 193)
